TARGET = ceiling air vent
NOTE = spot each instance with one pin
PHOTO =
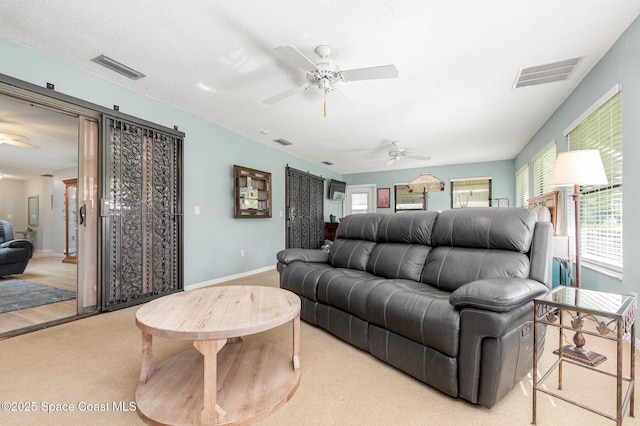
(328, 163)
(282, 142)
(547, 73)
(116, 66)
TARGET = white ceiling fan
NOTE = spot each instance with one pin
(16, 140)
(397, 153)
(325, 74)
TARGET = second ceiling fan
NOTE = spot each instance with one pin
(325, 74)
(396, 153)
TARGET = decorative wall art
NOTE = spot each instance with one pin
(252, 193)
(384, 198)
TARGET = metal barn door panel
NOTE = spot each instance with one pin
(141, 211)
(305, 209)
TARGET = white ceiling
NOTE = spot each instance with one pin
(453, 100)
(54, 133)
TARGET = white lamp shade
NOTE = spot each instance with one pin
(583, 167)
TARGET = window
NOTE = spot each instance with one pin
(522, 187)
(405, 200)
(601, 206)
(470, 192)
(359, 203)
(542, 167)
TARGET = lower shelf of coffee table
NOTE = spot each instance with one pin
(254, 380)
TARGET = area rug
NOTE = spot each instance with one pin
(19, 294)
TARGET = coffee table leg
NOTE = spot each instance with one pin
(147, 368)
(296, 342)
(211, 411)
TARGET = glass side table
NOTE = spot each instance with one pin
(620, 311)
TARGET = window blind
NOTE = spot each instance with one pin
(470, 192)
(522, 187)
(542, 168)
(405, 200)
(601, 205)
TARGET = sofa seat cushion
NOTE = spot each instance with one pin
(448, 268)
(302, 278)
(415, 311)
(347, 290)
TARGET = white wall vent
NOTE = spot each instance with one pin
(541, 74)
(282, 142)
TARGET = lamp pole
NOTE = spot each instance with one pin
(576, 202)
(424, 198)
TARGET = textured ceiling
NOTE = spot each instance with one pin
(453, 100)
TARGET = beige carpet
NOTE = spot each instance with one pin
(96, 361)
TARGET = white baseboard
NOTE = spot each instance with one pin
(227, 278)
(43, 253)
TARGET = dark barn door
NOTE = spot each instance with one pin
(305, 209)
(141, 213)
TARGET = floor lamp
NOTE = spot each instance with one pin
(426, 182)
(577, 168)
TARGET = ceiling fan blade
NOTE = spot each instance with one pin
(294, 56)
(16, 140)
(371, 73)
(390, 162)
(287, 93)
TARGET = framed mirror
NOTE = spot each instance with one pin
(33, 212)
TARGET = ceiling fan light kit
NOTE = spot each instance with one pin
(325, 74)
(16, 140)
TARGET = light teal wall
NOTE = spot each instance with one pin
(501, 172)
(621, 65)
(212, 239)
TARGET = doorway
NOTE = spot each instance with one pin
(57, 142)
(360, 199)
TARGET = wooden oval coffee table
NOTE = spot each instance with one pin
(224, 380)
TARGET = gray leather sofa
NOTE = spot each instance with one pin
(14, 254)
(445, 297)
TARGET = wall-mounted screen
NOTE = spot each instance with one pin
(337, 189)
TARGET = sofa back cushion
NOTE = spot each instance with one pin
(355, 240)
(479, 243)
(398, 261)
(485, 228)
(407, 227)
(450, 267)
(6, 233)
(404, 241)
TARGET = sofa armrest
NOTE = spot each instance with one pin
(497, 294)
(304, 255)
(19, 243)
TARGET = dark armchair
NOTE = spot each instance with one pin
(14, 254)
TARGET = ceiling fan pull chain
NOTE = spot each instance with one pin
(324, 99)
